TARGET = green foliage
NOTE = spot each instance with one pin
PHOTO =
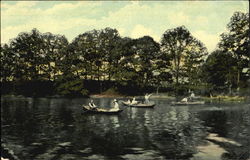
(71, 87)
(236, 41)
(133, 65)
(219, 71)
(186, 53)
(54, 51)
(111, 91)
(146, 52)
(7, 63)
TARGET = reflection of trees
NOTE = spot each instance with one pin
(173, 131)
(217, 120)
(19, 116)
(115, 121)
(38, 121)
(177, 132)
(23, 125)
(232, 124)
(105, 134)
(52, 121)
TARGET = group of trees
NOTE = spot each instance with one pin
(178, 62)
(224, 67)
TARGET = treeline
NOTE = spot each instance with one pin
(98, 60)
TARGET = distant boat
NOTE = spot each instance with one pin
(139, 105)
(126, 103)
(188, 103)
(101, 110)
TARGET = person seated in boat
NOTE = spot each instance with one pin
(147, 98)
(116, 106)
(129, 101)
(184, 99)
(192, 96)
(134, 101)
(92, 104)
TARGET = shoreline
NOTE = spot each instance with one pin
(154, 96)
(161, 96)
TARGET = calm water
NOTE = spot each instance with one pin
(50, 129)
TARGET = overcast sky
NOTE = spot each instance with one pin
(206, 20)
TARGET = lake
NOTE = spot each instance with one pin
(58, 128)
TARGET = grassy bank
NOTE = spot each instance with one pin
(171, 97)
(226, 98)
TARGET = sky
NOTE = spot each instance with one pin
(206, 20)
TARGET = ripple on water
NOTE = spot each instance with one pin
(140, 153)
(57, 129)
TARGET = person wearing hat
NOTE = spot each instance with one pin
(116, 105)
(92, 104)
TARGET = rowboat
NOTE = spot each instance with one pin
(101, 110)
(143, 105)
(139, 105)
(126, 103)
(188, 103)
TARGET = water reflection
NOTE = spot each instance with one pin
(58, 129)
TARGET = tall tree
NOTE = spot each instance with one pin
(147, 51)
(109, 39)
(162, 71)
(8, 64)
(28, 47)
(236, 41)
(54, 49)
(194, 58)
(85, 54)
(125, 71)
(219, 71)
(182, 46)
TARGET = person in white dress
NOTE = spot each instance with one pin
(147, 98)
(116, 106)
(129, 101)
(184, 99)
(134, 101)
(192, 95)
(92, 104)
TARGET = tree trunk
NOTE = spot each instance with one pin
(91, 75)
(238, 78)
(230, 89)
(98, 78)
(157, 89)
(178, 69)
(238, 72)
(109, 74)
(98, 75)
(54, 72)
(49, 76)
(177, 78)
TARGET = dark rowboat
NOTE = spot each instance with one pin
(143, 105)
(139, 105)
(101, 110)
(188, 103)
(126, 103)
